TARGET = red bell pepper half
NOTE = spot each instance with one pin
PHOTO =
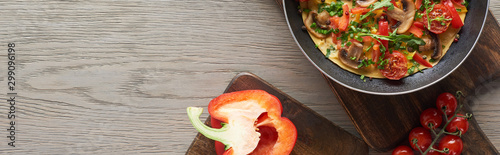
(251, 124)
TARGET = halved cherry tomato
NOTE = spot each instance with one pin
(416, 31)
(421, 60)
(453, 143)
(344, 20)
(431, 118)
(456, 21)
(448, 102)
(423, 137)
(459, 123)
(439, 18)
(402, 150)
(395, 68)
(359, 10)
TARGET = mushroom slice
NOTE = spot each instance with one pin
(432, 43)
(351, 56)
(405, 16)
(365, 3)
(322, 20)
(309, 21)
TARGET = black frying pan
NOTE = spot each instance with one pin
(457, 53)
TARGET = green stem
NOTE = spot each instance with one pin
(220, 135)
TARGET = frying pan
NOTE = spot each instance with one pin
(458, 52)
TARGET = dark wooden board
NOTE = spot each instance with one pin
(315, 134)
(385, 121)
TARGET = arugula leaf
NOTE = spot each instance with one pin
(410, 40)
(378, 5)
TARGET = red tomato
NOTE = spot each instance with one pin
(395, 68)
(453, 143)
(402, 150)
(423, 137)
(459, 123)
(447, 101)
(433, 152)
(431, 117)
(440, 18)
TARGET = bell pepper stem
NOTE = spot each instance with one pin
(220, 135)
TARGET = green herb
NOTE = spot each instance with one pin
(459, 10)
(370, 47)
(321, 31)
(313, 25)
(378, 5)
(307, 10)
(366, 63)
(410, 40)
(362, 77)
(353, 58)
(432, 60)
(465, 3)
(333, 9)
(428, 7)
(348, 43)
(440, 19)
(316, 46)
(382, 64)
(329, 51)
(415, 65)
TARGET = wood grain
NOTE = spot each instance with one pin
(115, 77)
(315, 134)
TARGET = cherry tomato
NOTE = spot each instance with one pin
(423, 137)
(395, 68)
(431, 117)
(447, 100)
(453, 143)
(459, 123)
(402, 150)
(433, 152)
(439, 19)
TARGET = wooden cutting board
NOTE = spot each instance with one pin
(385, 121)
(315, 134)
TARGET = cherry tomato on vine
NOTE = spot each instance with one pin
(395, 68)
(459, 123)
(402, 150)
(433, 152)
(431, 118)
(453, 143)
(423, 137)
(447, 100)
(439, 19)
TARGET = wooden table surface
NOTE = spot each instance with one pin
(115, 77)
